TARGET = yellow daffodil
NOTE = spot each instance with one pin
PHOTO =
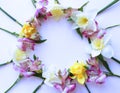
(79, 71)
(57, 12)
(28, 30)
(20, 55)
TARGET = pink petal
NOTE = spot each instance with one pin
(69, 88)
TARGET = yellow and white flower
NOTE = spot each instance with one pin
(79, 72)
(84, 20)
(102, 46)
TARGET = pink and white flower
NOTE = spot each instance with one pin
(29, 67)
(86, 22)
(59, 79)
(26, 44)
(94, 73)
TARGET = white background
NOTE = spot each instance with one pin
(63, 46)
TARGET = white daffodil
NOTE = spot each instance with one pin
(84, 20)
(51, 76)
(102, 46)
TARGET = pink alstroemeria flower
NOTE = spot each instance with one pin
(94, 73)
(67, 86)
(26, 44)
(42, 13)
(29, 67)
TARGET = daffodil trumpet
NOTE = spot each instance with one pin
(16, 21)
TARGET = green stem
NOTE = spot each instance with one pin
(18, 79)
(11, 17)
(115, 60)
(105, 64)
(114, 75)
(81, 8)
(112, 26)
(33, 2)
(38, 87)
(87, 88)
(6, 63)
(109, 5)
(12, 33)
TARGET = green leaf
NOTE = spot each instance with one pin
(89, 40)
(34, 57)
(56, 1)
(41, 41)
(81, 8)
(105, 64)
(79, 32)
(33, 2)
(109, 5)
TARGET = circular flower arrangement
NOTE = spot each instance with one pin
(81, 71)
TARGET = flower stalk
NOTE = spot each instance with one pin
(115, 60)
(18, 79)
(109, 5)
(6, 63)
(11, 17)
(105, 64)
(114, 75)
(87, 88)
(38, 87)
(12, 33)
(112, 26)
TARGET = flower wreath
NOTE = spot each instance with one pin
(83, 71)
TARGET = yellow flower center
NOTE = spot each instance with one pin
(82, 21)
(98, 44)
(28, 30)
(57, 12)
(79, 71)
